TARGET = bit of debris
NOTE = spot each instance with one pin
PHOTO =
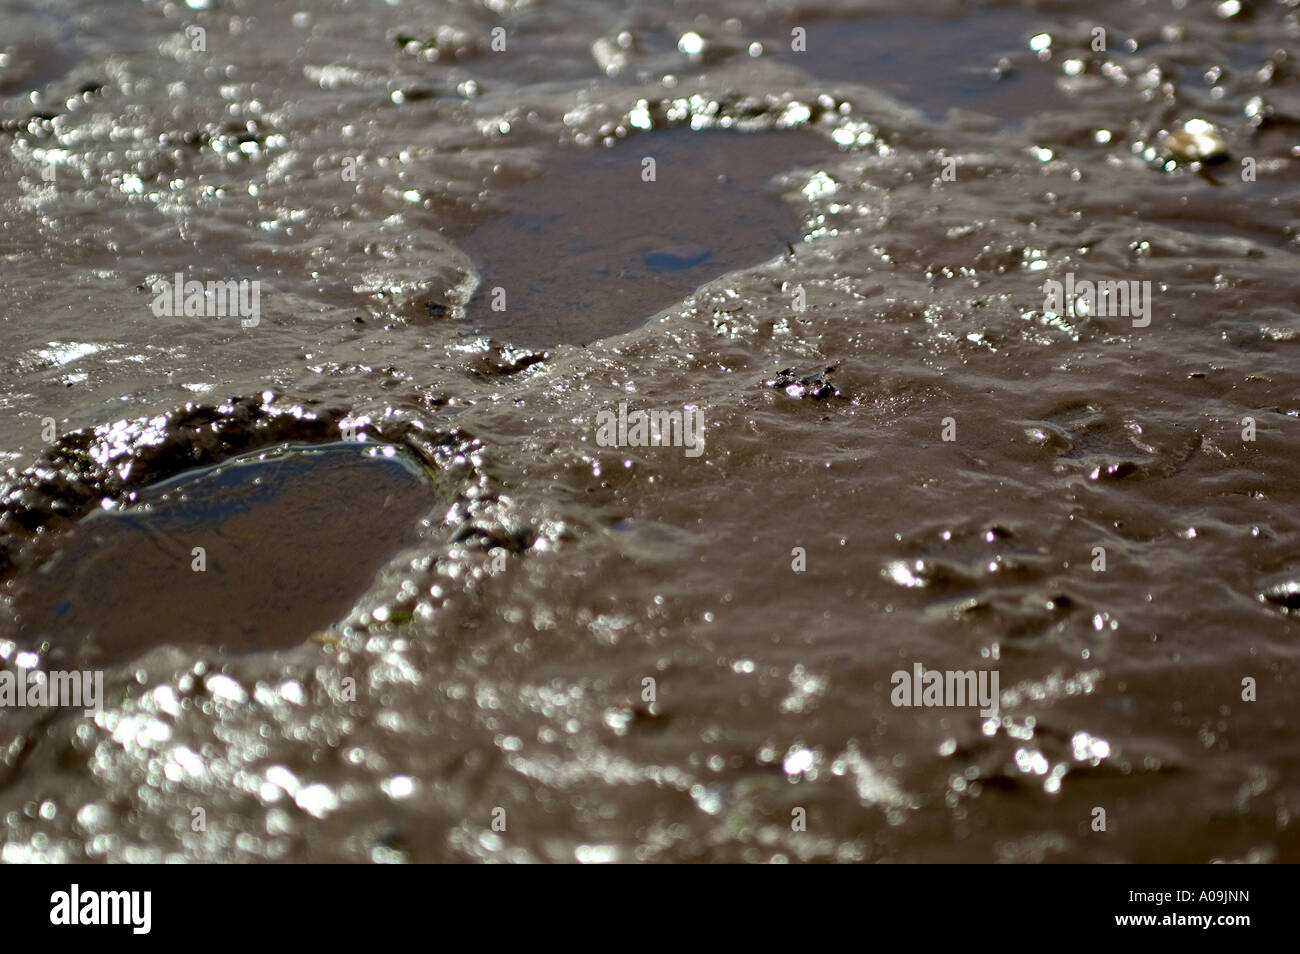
(1196, 141)
(815, 384)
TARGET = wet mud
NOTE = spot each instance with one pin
(912, 455)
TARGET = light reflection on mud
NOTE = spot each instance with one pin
(937, 168)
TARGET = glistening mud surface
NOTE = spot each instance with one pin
(501, 661)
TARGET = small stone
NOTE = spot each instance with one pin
(1196, 141)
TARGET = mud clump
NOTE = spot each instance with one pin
(815, 384)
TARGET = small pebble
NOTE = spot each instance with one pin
(1197, 141)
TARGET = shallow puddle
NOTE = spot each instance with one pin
(254, 554)
(962, 62)
(591, 249)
